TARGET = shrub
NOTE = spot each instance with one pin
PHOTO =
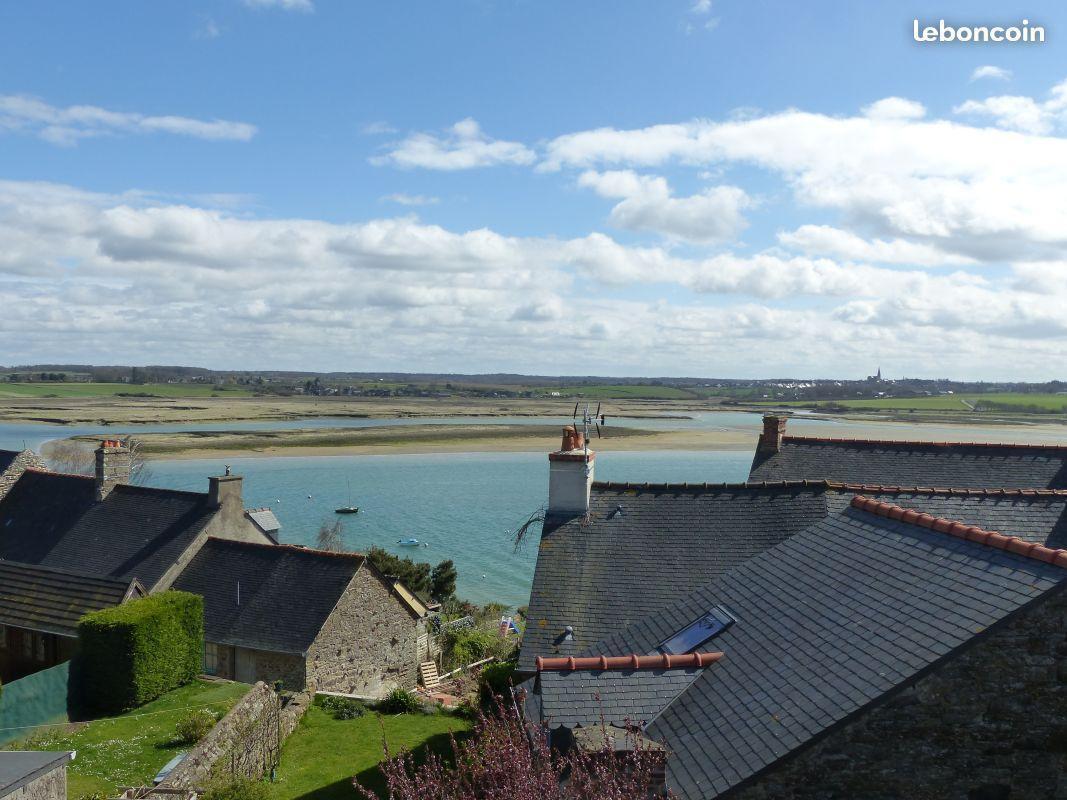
(400, 701)
(466, 645)
(341, 707)
(133, 653)
(496, 679)
(194, 726)
(239, 789)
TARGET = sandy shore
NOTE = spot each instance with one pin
(543, 438)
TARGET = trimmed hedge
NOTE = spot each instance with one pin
(133, 653)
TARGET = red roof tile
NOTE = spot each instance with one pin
(960, 530)
(661, 661)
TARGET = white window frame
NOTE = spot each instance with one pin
(211, 658)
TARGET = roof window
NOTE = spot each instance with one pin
(699, 631)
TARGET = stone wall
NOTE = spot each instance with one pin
(990, 724)
(244, 743)
(368, 646)
(25, 460)
(271, 667)
(51, 786)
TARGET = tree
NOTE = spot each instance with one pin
(414, 575)
(443, 581)
(506, 758)
(78, 458)
(331, 537)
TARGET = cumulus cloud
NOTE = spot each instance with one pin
(1024, 114)
(836, 243)
(989, 72)
(464, 146)
(713, 215)
(66, 126)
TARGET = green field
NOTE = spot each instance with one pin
(323, 754)
(1008, 402)
(622, 392)
(57, 389)
(128, 750)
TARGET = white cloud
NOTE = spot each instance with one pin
(286, 5)
(829, 241)
(66, 126)
(1023, 114)
(410, 199)
(899, 175)
(714, 215)
(464, 146)
(701, 7)
(895, 108)
(989, 72)
(208, 29)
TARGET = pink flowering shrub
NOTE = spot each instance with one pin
(504, 759)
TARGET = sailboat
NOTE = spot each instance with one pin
(349, 509)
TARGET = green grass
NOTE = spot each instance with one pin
(128, 750)
(49, 389)
(622, 392)
(321, 757)
(1005, 401)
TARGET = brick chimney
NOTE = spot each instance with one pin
(224, 492)
(113, 462)
(770, 441)
(570, 475)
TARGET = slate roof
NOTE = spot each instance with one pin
(913, 463)
(617, 697)
(54, 520)
(19, 767)
(830, 621)
(601, 575)
(265, 520)
(53, 600)
(7, 458)
(286, 592)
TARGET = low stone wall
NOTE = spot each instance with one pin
(244, 744)
(293, 711)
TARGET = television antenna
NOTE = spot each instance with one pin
(587, 419)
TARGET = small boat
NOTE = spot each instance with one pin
(408, 542)
(349, 509)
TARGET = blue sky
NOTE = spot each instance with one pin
(482, 186)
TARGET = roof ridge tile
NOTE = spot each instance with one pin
(914, 442)
(630, 662)
(961, 530)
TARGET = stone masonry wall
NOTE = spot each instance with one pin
(990, 724)
(25, 460)
(51, 786)
(368, 645)
(244, 743)
(271, 667)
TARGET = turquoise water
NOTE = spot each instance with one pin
(460, 505)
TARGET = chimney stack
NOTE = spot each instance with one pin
(224, 491)
(570, 475)
(770, 441)
(113, 463)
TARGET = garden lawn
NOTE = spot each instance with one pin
(321, 757)
(128, 750)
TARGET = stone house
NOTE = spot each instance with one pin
(39, 612)
(309, 618)
(272, 612)
(13, 463)
(807, 639)
(34, 775)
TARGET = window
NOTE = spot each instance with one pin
(696, 633)
(211, 658)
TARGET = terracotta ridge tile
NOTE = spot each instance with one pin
(659, 661)
(821, 484)
(962, 530)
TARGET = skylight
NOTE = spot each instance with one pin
(701, 630)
